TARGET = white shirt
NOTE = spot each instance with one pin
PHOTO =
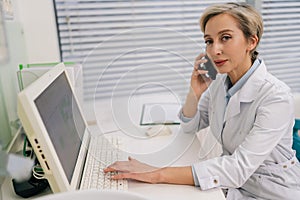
(255, 130)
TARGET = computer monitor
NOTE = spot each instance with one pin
(56, 129)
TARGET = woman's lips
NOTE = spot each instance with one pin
(220, 63)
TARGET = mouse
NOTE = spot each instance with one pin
(158, 130)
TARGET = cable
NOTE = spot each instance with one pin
(38, 172)
(24, 146)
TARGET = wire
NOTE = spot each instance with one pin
(38, 172)
(24, 146)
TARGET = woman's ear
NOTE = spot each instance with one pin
(252, 42)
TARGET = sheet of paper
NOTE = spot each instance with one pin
(160, 113)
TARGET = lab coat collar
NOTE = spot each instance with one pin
(247, 93)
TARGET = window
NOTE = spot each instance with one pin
(131, 47)
(280, 45)
(148, 46)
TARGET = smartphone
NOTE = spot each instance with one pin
(210, 67)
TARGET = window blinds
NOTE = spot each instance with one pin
(280, 45)
(131, 47)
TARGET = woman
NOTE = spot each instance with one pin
(248, 110)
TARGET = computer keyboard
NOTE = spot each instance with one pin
(102, 152)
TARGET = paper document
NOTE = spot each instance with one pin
(160, 113)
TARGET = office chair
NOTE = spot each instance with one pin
(296, 138)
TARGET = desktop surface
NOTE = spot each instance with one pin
(175, 149)
(94, 195)
(162, 158)
(151, 191)
(121, 117)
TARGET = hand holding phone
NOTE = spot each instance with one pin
(210, 67)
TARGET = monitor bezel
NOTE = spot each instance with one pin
(38, 135)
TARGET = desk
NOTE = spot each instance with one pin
(153, 191)
(122, 116)
(172, 192)
(176, 149)
(165, 157)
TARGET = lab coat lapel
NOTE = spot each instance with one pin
(233, 108)
(247, 93)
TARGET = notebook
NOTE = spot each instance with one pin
(56, 128)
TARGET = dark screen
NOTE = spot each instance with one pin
(63, 121)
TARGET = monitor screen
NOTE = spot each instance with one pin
(63, 121)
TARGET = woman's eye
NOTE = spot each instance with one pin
(226, 37)
(207, 42)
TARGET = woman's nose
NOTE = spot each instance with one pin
(216, 49)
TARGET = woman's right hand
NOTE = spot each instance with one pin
(199, 82)
(134, 169)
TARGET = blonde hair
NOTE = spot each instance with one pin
(249, 20)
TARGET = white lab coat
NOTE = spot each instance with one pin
(258, 161)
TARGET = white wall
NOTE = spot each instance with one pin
(37, 18)
(31, 38)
